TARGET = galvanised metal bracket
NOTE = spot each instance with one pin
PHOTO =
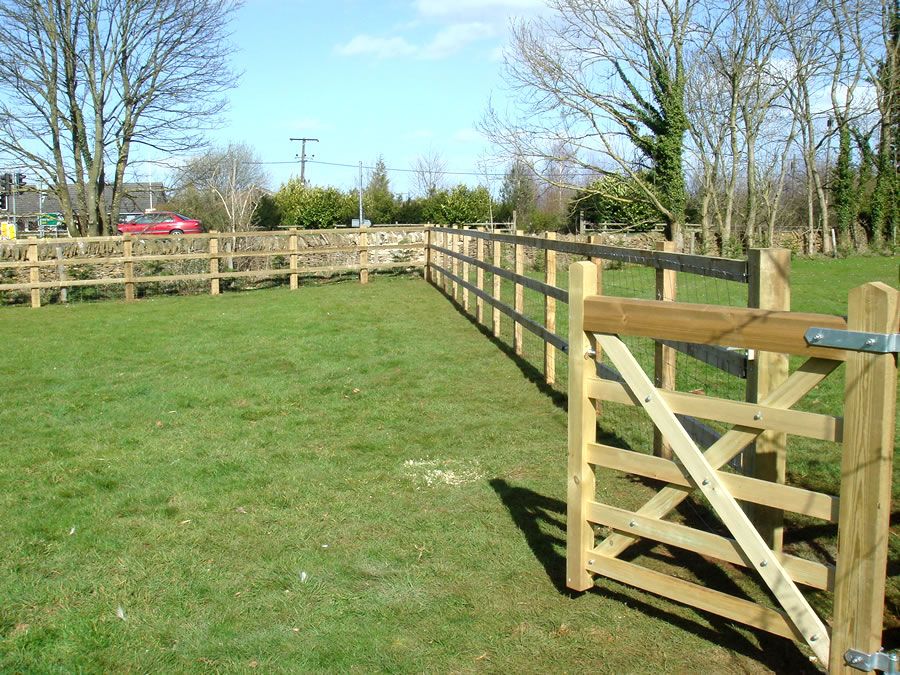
(867, 663)
(855, 341)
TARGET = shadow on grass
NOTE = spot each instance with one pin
(529, 371)
(542, 521)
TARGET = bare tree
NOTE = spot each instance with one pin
(607, 78)
(236, 177)
(431, 170)
(84, 81)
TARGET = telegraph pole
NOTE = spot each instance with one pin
(303, 156)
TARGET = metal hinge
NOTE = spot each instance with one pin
(867, 663)
(856, 341)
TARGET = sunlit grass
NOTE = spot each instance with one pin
(340, 477)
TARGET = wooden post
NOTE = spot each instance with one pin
(550, 312)
(128, 253)
(870, 393)
(479, 278)
(34, 273)
(664, 357)
(61, 271)
(214, 285)
(519, 301)
(363, 256)
(427, 273)
(582, 430)
(454, 265)
(598, 263)
(445, 242)
(496, 261)
(464, 249)
(292, 250)
(769, 288)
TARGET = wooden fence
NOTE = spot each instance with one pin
(766, 274)
(291, 249)
(862, 510)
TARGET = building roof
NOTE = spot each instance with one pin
(136, 198)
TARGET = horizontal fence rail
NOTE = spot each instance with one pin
(289, 250)
(719, 268)
(449, 260)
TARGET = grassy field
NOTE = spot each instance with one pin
(341, 478)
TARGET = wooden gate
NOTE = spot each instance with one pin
(866, 432)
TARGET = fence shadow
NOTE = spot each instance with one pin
(542, 521)
(528, 370)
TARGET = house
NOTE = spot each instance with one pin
(30, 203)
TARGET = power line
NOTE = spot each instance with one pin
(371, 168)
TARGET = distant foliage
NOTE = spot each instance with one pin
(313, 207)
(305, 206)
(614, 199)
(466, 205)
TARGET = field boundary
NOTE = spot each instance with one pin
(282, 247)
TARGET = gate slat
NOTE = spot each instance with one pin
(803, 571)
(695, 595)
(754, 490)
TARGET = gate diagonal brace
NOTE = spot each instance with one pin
(798, 385)
(752, 546)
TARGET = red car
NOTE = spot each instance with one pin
(161, 222)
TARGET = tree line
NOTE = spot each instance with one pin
(743, 114)
(739, 115)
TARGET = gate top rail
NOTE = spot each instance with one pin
(765, 330)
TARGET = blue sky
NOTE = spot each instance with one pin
(398, 78)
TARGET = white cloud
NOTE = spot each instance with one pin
(458, 23)
(380, 48)
(446, 42)
(454, 37)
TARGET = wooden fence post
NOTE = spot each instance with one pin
(519, 301)
(61, 272)
(664, 357)
(464, 249)
(34, 272)
(550, 312)
(454, 264)
(769, 288)
(363, 256)
(128, 253)
(598, 263)
(870, 398)
(582, 430)
(292, 250)
(497, 261)
(427, 273)
(479, 278)
(214, 285)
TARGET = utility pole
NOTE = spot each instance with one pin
(303, 156)
(360, 196)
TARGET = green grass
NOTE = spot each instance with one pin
(340, 478)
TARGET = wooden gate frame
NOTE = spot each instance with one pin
(866, 430)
